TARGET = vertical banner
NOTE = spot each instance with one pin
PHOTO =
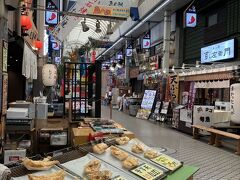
(192, 93)
(167, 92)
(4, 55)
(174, 88)
(4, 94)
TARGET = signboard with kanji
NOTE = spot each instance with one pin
(148, 172)
(167, 162)
(219, 51)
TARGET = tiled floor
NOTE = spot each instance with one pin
(214, 163)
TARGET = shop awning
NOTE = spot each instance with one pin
(212, 84)
(206, 77)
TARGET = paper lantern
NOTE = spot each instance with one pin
(38, 44)
(234, 101)
(49, 75)
(26, 22)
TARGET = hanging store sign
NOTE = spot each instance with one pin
(190, 16)
(110, 11)
(51, 18)
(66, 25)
(146, 41)
(56, 46)
(219, 51)
(129, 51)
(113, 8)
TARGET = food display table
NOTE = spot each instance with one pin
(73, 161)
(117, 155)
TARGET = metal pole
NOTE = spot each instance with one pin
(166, 42)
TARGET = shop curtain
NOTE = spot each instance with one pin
(212, 84)
(29, 65)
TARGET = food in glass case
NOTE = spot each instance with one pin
(122, 140)
(137, 148)
(44, 164)
(58, 175)
(92, 167)
(130, 163)
(100, 175)
(150, 154)
(118, 153)
(100, 148)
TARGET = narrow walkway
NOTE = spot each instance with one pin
(214, 163)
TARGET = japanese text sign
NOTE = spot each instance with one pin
(167, 162)
(216, 52)
(148, 172)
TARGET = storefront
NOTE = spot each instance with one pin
(204, 97)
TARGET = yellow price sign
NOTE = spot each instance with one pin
(167, 162)
(147, 172)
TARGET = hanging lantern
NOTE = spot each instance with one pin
(29, 26)
(38, 44)
(25, 22)
(49, 75)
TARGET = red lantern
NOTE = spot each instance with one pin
(38, 44)
(26, 22)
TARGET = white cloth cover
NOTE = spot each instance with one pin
(4, 172)
(29, 65)
(212, 84)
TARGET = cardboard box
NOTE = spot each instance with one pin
(80, 135)
(14, 155)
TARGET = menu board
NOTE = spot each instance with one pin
(148, 99)
(167, 162)
(148, 172)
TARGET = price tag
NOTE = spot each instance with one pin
(147, 172)
(167, 162)
(118, 178)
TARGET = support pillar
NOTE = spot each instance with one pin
(127, 64)
(98, 67)
(166, 42)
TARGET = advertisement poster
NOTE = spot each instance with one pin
(203, 115)
(4, 94)
(148, 99)
(186, 115)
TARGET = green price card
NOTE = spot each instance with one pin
(147, 172)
